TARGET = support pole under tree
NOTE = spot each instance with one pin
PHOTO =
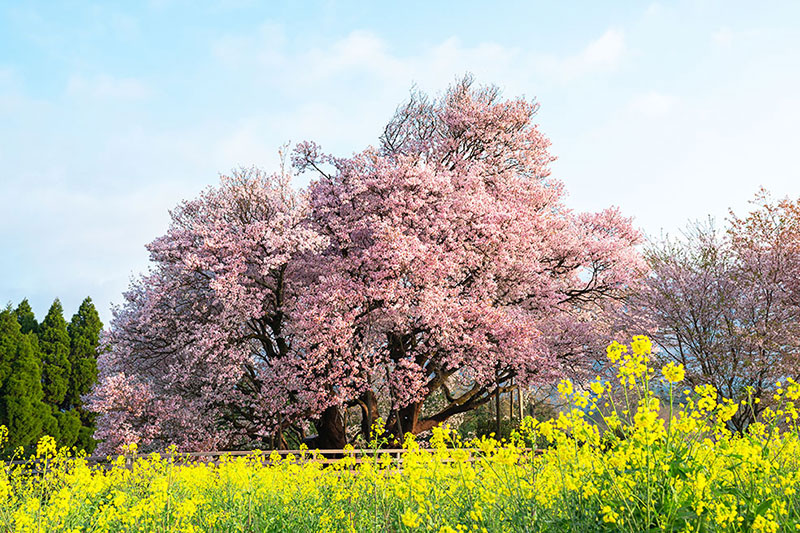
(346, 422)
(497, 403)
(511, 403)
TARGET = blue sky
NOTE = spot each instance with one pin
(112, 112)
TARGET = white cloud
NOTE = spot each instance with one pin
(214, 5)
(364, 79)
(652, 104)
(604, 52)
(94, 240)
(723, 37)
(10, 95)
(245, 145)
(358, 51)
(104, 87)
(366, 53)
(653, 10)
(601, 55)
(266, 47)
(7, 78)
(13, 99)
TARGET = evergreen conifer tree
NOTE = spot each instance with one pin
(26, 318)
(84, 333)
(22, 410)
(54, 345)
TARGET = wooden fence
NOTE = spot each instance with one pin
(325, 457)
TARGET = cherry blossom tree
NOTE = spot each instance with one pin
(195, 355)
(453, 265)
(443, 262)
(726, 304)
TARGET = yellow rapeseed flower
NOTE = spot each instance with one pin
(674, 373)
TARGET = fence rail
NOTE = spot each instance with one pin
(326, 456)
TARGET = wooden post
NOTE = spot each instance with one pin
(346, 421)
(497, 403)
(511, 403)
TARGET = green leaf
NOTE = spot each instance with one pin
(763, 506)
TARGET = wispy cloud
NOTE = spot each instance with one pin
(722, 37)
(604, 53)
(653, 104)
(366, 52)
(107, 87)
(601, 55)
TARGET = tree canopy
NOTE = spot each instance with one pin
(22, 410)
(442, 262)
(726, 304)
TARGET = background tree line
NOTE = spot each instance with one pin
(45, 369)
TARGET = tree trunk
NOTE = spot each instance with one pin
(409, 419)
(406, 420)
(330, 430)
(279, 440)
(368, 403)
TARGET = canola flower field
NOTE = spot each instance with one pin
(612, 462)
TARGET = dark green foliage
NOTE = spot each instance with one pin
(45, 369)
(21, 408)
(482, 422)
(84, 334)
(26, 318)
(86, 433)
(69, 425)
(54, 347)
